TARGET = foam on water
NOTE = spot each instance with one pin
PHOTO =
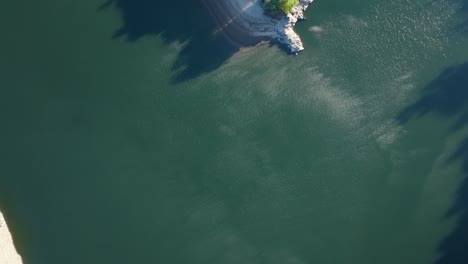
(343, 100)
(316, 29)
(383, 52)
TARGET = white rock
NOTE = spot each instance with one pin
(249, 17)
(284, 28)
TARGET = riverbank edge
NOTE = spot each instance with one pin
(8, 253)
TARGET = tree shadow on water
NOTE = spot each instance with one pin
(464, 13)
(447, 96)
(186, 21)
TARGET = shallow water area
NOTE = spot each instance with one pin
(133, 134)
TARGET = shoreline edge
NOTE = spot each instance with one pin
(8, 253)
(245, 23)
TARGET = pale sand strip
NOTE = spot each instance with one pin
(8, 254)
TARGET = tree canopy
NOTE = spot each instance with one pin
(277, 6)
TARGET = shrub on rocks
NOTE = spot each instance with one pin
(280, 6)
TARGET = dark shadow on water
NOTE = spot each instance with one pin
(464, 13)
(186, 22)
(447, 96)
(465, 5)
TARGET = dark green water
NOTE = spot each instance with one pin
(131, 134)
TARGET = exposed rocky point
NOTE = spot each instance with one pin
(246, 23)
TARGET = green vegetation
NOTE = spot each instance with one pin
(280, 6)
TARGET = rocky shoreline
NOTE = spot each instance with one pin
(8, 254)
(245, 23)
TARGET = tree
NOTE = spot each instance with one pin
(280, 6)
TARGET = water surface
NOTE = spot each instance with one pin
(132, 134)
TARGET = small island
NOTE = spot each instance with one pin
(251, 22)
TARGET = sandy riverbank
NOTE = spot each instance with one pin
(245, 23)
(8, 254)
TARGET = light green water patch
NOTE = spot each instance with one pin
(268, 158)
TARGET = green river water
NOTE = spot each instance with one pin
(132, 134)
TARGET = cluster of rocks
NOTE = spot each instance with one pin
(246, 23)
(284, 28)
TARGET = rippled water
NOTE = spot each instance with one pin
(130, 136)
